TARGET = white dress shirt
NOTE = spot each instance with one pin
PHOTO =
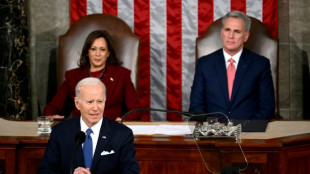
(95, 134)
(236, 58)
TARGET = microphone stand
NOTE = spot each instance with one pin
(79, 139)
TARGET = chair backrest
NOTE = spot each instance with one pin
(126, 44)
(260, 41)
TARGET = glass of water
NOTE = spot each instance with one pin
(44, 124)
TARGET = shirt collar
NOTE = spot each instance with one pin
(236, 57)
(95, 128)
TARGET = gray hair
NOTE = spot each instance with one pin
(89, 81)
(238, 15)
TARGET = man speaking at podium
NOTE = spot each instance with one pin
(108, 146)
(234, 80)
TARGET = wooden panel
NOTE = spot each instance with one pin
(8, 147)
(298, 159)
(8, 160)
(178, 154)
(166, 167)
(29, 160)
(30, 153)
(299, 165)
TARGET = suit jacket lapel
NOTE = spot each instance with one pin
(220, 67)
(241, 71)
(110, 80)
(103, 139)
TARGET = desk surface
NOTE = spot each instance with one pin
(275, 129)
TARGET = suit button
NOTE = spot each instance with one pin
(229, 112)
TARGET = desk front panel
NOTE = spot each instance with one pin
(175, 154)
(8, 146)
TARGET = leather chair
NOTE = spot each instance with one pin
(126, 44)
(260, 41)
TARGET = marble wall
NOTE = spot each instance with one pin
(49, 19)
(14, 60)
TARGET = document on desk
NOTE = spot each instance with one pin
(160, 129)
(172, 130)
(142, 129)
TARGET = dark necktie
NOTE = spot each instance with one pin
(88, 149)
(231, 70)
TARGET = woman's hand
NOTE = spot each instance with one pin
(53, 117)
(118, 119)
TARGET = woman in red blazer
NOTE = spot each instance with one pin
(98, 59)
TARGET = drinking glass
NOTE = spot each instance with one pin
(44, 124)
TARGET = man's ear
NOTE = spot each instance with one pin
(247, 35)
(76, 102)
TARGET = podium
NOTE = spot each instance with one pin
(284, 148)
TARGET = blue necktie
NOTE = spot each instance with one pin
(88, 149)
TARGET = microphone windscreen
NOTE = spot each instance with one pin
(79, 137)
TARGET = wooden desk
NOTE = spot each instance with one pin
(286, 150)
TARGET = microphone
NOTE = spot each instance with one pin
(189, 114)
(78, 139)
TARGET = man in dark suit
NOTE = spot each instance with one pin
(110, 144)
(233, 80)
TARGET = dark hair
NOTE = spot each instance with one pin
(84, 59)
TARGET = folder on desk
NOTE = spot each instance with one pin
(252, 125)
